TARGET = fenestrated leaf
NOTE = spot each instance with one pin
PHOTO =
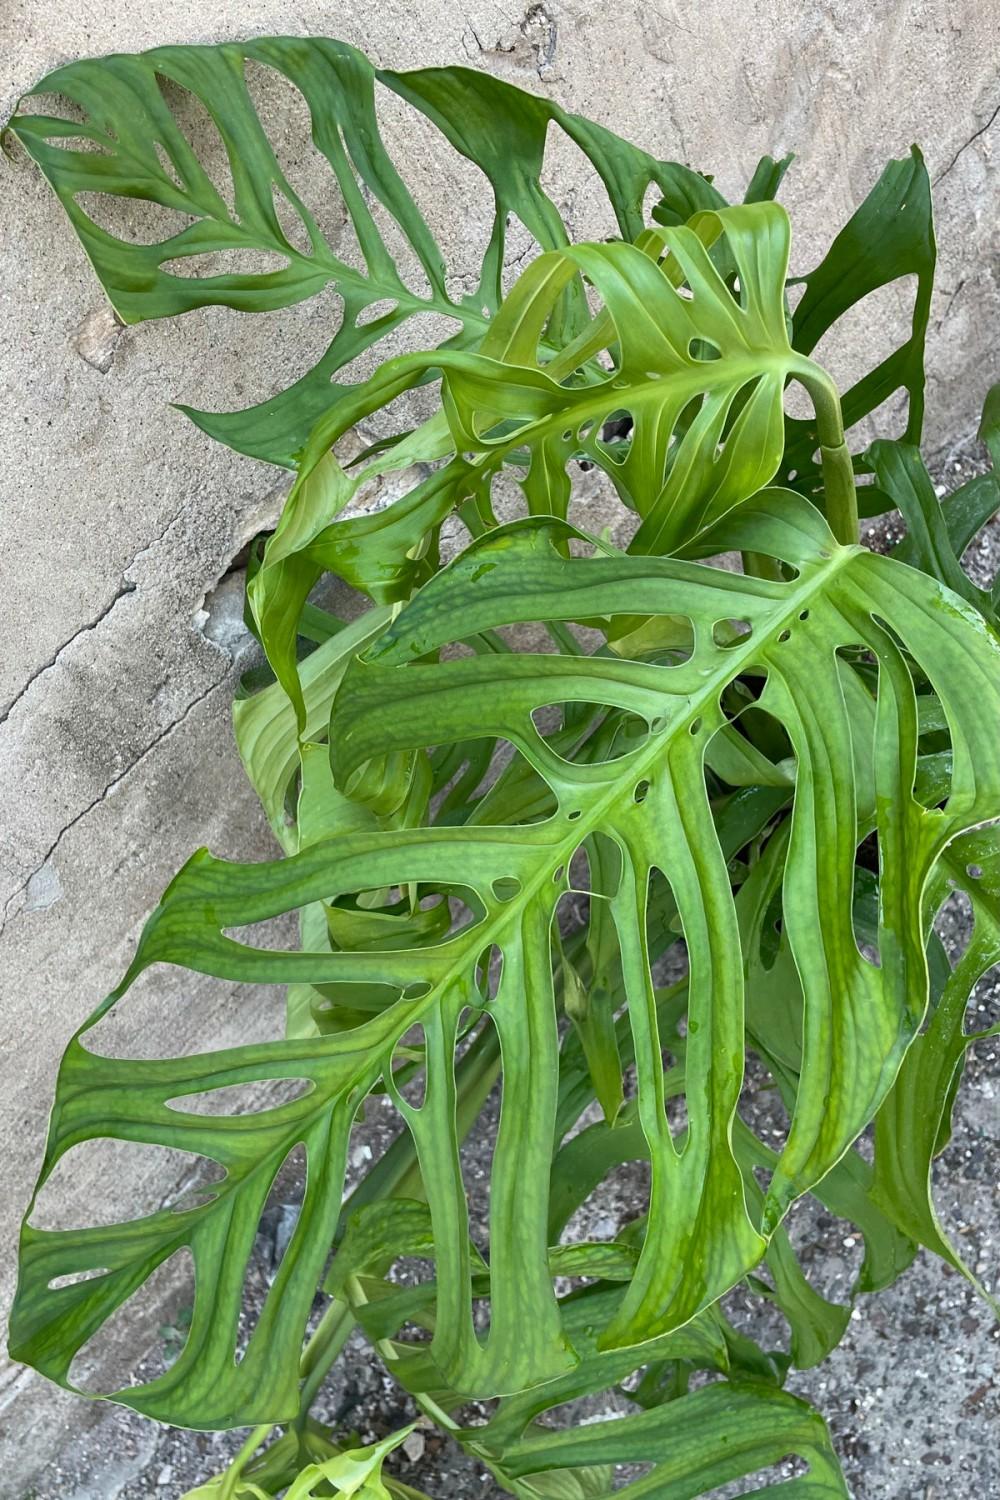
(700, 370)
(914, 1124)
(889, 236)
(724, 1431)
(379, 708)
(137, 149)
(651, 801)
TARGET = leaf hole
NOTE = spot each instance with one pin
(140, 1337)
(101, 1181)
(506, 888)
(177, 1013)
(408, 1066)
(700, 348)
(761, 1107)
(954, 924)
(729, 633)
(253, 1097)
(134, 221)
(771, 1478)
(74, 1278)
(489, 973)
(278, 1222)
(383, 308)
(292, 226)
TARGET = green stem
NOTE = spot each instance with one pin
(234, 1473)
(838, 471)
(324, 1346)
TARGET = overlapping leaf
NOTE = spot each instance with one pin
(652, 803)
(722, 1432)
(889, 237)
(130, 144)
(699, 369)
(718, 762)
(914, 1125)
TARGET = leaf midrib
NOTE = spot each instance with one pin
(481, 934)
(592, 820)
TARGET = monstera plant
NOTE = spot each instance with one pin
(575, 822)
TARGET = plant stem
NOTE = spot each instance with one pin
(838, 471)
(331, 1335)
(235, 1471)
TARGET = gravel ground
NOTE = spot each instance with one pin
(912, 1394)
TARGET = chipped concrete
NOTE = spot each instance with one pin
(120, 519)
(97, 337)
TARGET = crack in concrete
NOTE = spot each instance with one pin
(537, 19)
(111, 787)
(126, 587)
(536, 29)
(476, 38)
(951, 298)
(972, 139)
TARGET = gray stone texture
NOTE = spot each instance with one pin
(120, 519)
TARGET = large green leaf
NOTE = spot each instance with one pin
(651, 803)
(699, 368)
(889, 237)
(133, 146)
(379, 1235)
(722, 1432)
(715, 763)
(914, 1124)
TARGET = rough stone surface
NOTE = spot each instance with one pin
(119, 518)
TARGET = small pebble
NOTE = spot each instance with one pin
(413, 1447)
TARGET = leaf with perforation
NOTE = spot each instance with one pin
(650, 802)
(394, 1228)
(914, 1124)
(131, 145)
(700, 369)
(690, 1446)
(888, 238)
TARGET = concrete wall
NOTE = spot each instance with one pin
(119, 517)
